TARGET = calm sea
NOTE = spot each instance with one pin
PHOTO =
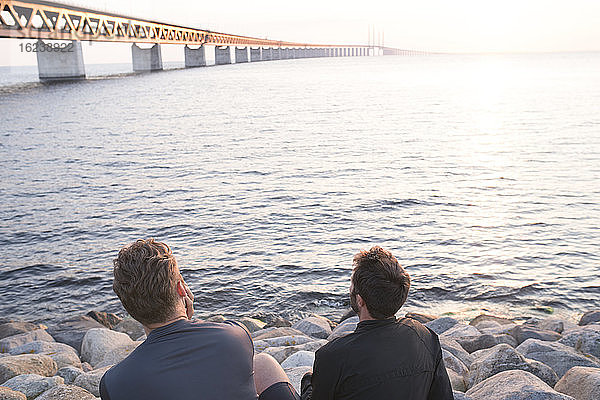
(480, 173)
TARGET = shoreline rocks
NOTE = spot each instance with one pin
(488, 358)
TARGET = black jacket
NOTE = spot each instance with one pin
(382, 359)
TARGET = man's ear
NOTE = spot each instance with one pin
(180, 289)
(360, 301)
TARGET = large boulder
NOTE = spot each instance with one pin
(69, 373)
(9, 343)
(422, 318)
(32, 385)
(585, 339)
(252, 324)
(9, 394)
(455, 348)
(66, 392)
(11, 366)
(61, 353)
(295, 375)
(16, 327)
(554, 324)
(90, 381)
(132, 328)
(457, 381)
(314, 326)
(299, 359)
(523, 332)
(485, 321)
(583, 383)
(293, 340)
(460, 396)
(485, 341)
(98, 342)
(514, 385)
(344, 328)
(280, 353)
(441, 324)
(72, 331)
(590, 317)
(117, 355)
(454, 363)
(461, 331)
(273, 332)
(503, 357)
(109, 320)
(558, 356)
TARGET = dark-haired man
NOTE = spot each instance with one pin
(384, 358)
(181, 359)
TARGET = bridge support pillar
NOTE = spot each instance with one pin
(58, 65)
(146, 59)
(255, 54)
(195, 57)
(241, 55)
(223, 55)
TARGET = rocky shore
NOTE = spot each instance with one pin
(487, 358)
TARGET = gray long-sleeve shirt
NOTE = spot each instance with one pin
(186, 360)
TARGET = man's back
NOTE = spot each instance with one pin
(382, 359)
(185, 360)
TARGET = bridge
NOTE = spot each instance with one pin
(43, 20)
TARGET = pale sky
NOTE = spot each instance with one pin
(429, 25)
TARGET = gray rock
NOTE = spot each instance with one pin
(293, 340)
(461, 331)
(514, 385)
(502, 357)
(269, 333)
(457, 381)
(117, 355)
(260, 346)
(582, 383)
(344, 328)
(585, 339)
(452, 362)
(295, 375)
(14, 328)
(441, 325)
(32, 385)
(12, 366)
(216, 318)
(109, 320)
(280, 353)
(90, 381)
(523, 332)
(278, 322)
(484, 320)
(252, 324)
(590, 317)
(314, 326)
(69, 373)
(61, 353)
(460, 396)
(72, 331)
(422, 318)
(99, 342)
(550, 324)
(132, 328)
(9, 343)
(349, 313)
(299, 359)
(456, 349)
(485, 341)
(9, 394)
(66, 392)
(558, 356)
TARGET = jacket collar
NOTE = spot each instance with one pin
(367, 325)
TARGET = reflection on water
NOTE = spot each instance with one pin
(480, 173)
